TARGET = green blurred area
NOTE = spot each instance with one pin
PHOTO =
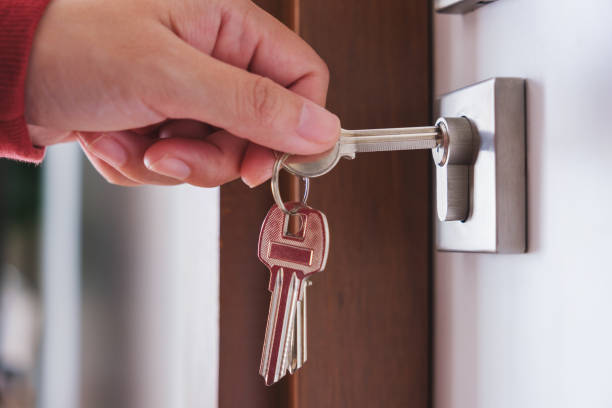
(19, 192)
(20, 204)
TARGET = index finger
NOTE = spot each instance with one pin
(250, 38)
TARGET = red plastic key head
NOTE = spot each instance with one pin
(304, 251)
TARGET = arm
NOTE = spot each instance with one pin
(18, 21)
(160, 92)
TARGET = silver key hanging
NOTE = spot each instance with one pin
(299, 352)
(291, 258)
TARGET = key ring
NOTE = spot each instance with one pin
(278, 164)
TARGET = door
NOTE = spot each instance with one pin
(532, 330)
(369, 311)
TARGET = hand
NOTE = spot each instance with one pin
(165, 92)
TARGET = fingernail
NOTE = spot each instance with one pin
(169, 166)
(260, 178)
(248, 182)
(318, 124)
(109, 150)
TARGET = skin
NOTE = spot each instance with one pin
(174, 91)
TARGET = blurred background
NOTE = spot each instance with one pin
(109, 296)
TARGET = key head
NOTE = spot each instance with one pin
(305, 251)
(314, 165)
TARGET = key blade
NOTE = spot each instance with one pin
(298, 340)
(393, 139)
(276, 283)
(301, 328)
(277, 343)
(391, 132)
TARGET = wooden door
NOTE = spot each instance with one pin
(369, 312)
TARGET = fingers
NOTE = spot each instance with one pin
(207, 162)
(123, 151)
(185, 128)
(187, 154)
(254, 107)
(249, 37)
(107, 171)
(257, 165)
(247, 105)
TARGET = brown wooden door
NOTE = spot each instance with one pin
(369, 311)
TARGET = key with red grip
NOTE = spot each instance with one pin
(291, 258)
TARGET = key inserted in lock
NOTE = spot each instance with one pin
(451, 143)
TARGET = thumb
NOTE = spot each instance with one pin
(248, 105)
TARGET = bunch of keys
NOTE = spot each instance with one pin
(292, 257)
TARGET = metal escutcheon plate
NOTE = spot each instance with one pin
(496, 220)
(459, 6)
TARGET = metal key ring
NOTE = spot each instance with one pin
(276, 191)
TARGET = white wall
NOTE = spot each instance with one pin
(173, 293)
(60, 278)
(131, 291)
(535, 330)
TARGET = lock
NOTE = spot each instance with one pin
(490, 176)
(453, 157)
(478, 147)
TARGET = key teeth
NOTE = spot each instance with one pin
(269, 379)
(276, 368)
(268, 382)
(290, 361)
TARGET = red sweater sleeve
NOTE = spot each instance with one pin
(18, 21)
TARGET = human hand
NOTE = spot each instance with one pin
(165, 92)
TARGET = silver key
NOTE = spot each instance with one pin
(367, 140)
(299, 339)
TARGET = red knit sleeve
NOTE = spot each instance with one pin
(18, 21)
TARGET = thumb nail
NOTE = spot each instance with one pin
(318, 124)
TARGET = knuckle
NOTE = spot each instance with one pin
(323, 70)
(265, 101)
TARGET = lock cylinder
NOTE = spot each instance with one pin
(453, 156)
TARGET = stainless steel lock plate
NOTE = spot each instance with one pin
(496, 221)
(459, 6)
